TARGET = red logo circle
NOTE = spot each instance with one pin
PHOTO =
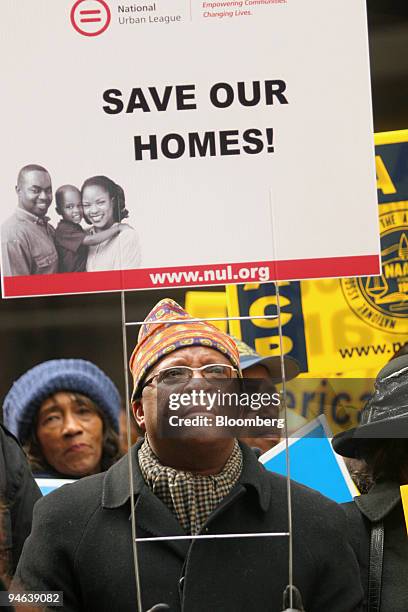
(90, 17)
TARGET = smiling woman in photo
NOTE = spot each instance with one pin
(65, 412)
(103, 203)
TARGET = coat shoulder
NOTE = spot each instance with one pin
(14, 229)
(312, 512)
(13, 454)
(77, 500)
(301, 494)
(352, 511)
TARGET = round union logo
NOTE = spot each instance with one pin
(382, 301)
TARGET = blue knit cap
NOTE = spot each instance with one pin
(32, 388)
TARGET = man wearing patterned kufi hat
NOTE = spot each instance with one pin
(183, 487)
(164, 350)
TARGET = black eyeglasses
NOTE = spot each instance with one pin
(182, 374)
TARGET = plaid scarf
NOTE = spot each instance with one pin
(191, 497)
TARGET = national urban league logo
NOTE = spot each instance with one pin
(90, 17)
(382, 301)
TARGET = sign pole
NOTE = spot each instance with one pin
(273, 226)
(288, 483)
(130, 462)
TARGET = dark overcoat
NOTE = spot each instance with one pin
(18, 494)
(382, 503)
(81, 545)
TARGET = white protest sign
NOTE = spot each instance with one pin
(240, 132)
(47, 485)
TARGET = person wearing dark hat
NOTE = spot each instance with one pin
(377, 519)
(255, 366)
(65, 412)
(272, 365)
(205, 484)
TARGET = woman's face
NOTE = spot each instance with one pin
(98, 207)
(70, 434)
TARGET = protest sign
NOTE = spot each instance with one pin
(313, 462)
(339, 399)
(319, 328)
(404, 497)
(213, 304)
(233, 162)
(333, 326)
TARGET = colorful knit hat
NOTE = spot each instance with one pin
(36, 385)
(156, 340)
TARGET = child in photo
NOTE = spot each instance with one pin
(71, 240)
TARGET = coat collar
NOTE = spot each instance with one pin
(158, 520)
(116, 482)
(116, 489)
(379, 501)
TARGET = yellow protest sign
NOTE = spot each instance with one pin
(404, 497)
(341, 325)
(354, 323)
(339, 398)
(212, 304)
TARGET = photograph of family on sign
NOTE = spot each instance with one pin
(32, 245)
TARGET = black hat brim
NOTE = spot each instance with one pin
(349, 443)
(273, 365)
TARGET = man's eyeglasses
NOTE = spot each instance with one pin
(182, 374)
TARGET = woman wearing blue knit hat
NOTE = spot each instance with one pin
(65, 412)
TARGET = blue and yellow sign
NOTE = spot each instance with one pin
(255, 300)
(331, 326)
(334, 326)
(382, 302)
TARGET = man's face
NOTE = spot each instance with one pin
(150, 406)
(34, 192)
(70, 434)
(256, 371)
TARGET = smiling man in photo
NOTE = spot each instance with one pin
(27, 237)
